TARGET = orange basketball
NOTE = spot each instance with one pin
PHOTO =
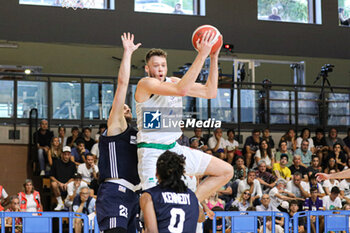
(199, 32)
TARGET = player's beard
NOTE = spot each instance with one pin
(128, 119)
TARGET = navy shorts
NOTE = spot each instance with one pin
(116, 206)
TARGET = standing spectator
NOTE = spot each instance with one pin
(29, 199)
(313, 203)
(14, 207)
(274, 15)
(279, 193)
(3, 198)
(232, 145)
(62, 173)
(89, 172)
(253, 185)
(266, 204)
(73, 189)
(85, 204)
(79, 152)
(342, 19)
(305, 135)
(296, 167)
(75, 135)
(218, 145)
(300, 188)
(202, 142)
(266, 179)
(333, 138)
(243, 201)
(338, 155)
(315, 166)
(264, 153)
(304, 153)
(62, 136)
(178, 9)
(289, 137)
(320, 140)
(183, 140)
(251, 145)
(329, 184)
(332, 201)
(280, 170)
(345, 190)
(55, 151)
(268, 138)
(42, 139)
(283, 149)
(88, 141)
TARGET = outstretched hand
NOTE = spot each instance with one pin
(217, 52)
(322, 176)
(128, 42)
(204, 46)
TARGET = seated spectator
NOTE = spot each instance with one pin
(344, 187)
(304, 153)
(214, 200)
(331, 165)
(75, 135)
(333, 138)
(14, 207)
(42, 139)
(183, 140)
(89, 172)
(296, 167)
(55, 151)
(280, 170)
(346, 140)
(218, 145)
(265, 204)
(62, 136)
(338, 155)
(251, 145)
(79, 152)
(101, 128)
(194, 143)
(61, 174)
(315, 166)
(313, 183)
(347, 164)
(274, 15)
(329, 184)
(279, 193)
(264, 153)
(283, 150)
(320, 141)
(268, 229)
(290, 138)
(73, 189)
(95, 150)
(202, 142)
(293, 209)
(306, 135)
(83, 203)
(300, 188)
(313, 202)
(342, 20)
(88, 141)
(243, 201)
(332, 201)
(4, 200)
(253, 185)
(266, 179)
(266, 135)
(30, 199)
(232, 145)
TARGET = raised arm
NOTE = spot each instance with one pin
(116, 121)
(339, 175)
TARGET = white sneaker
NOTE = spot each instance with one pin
(42, 173)
(59, 207)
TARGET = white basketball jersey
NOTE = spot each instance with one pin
(168, 107)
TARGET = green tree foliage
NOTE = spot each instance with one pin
(289, 10)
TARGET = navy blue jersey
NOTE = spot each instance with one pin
(176, 212)
(118, 156)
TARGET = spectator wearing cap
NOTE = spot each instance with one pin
(89, 172)
(73, 189)
(296, 167)
(300, 188)
(266, 179)
(202, 142)
(83, 203)
(313, 202)
(253, 185)
(29, 199)
(281, 170)
(333, 200)
(75, 135)
(218, 145)
(283, 149)
(304, 153)
(279, 193)
(61, 174)
(3, 198)
(79, 152)
(88, 141)
(194, 143)
(42, 138)
(251, 145)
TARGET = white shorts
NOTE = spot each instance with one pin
(196, 163)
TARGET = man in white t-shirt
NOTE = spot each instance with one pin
(95, 150)
(279, 193)
(344, 187)
(73, 189)
(89, 172)
(298, 187)
(332, 201)
(251, 180)
(218, 144)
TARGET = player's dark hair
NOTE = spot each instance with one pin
(170, 169)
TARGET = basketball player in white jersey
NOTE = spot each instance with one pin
(159, 91)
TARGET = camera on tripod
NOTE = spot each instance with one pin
(327, 68)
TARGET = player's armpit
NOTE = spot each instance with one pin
(149, 214)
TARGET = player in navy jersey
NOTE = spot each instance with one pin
(117, 202)
(170, 206)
